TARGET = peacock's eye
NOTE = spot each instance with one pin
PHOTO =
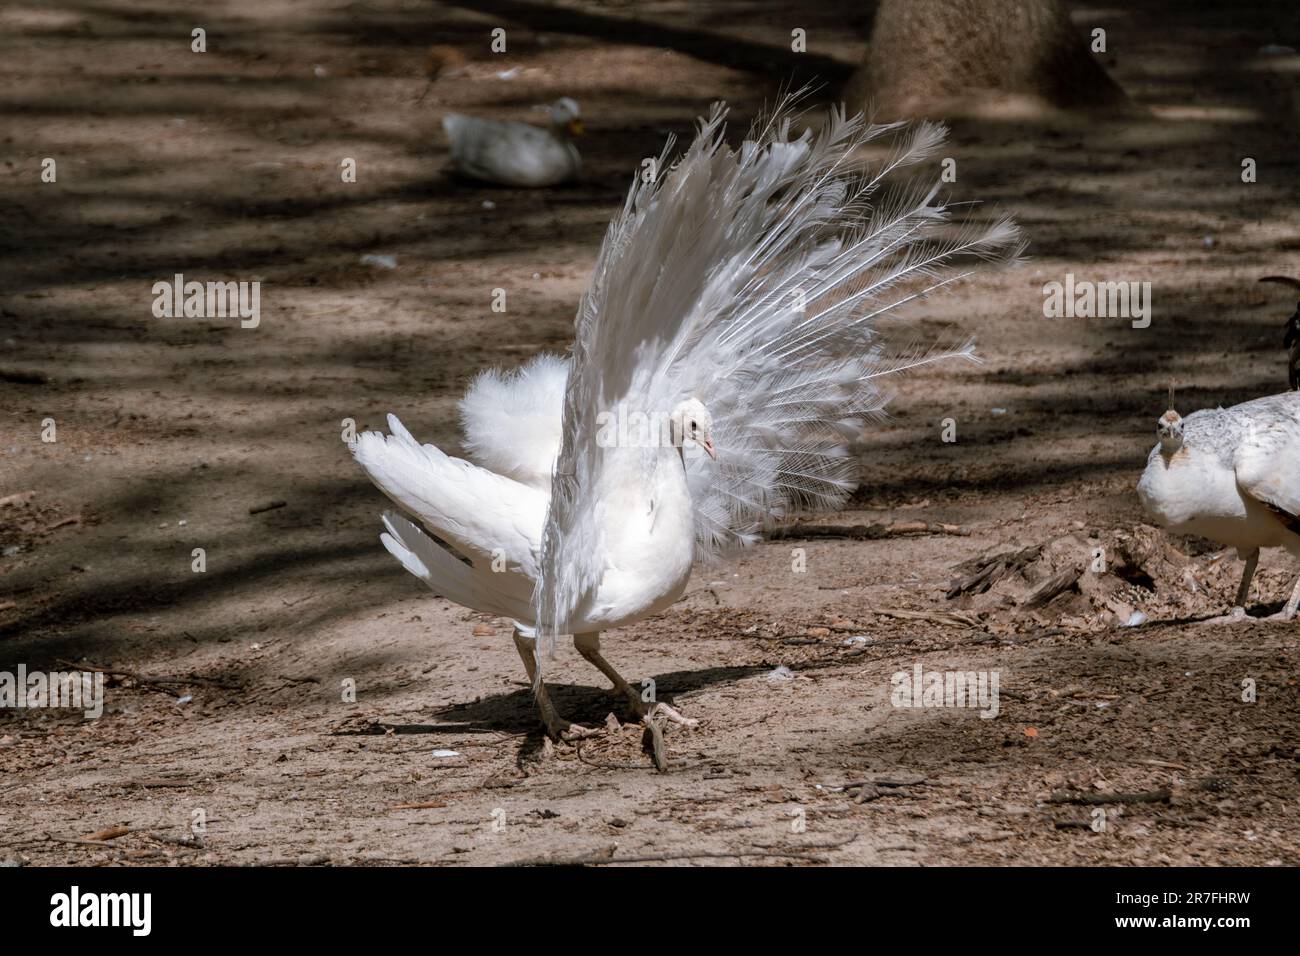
(692, 426)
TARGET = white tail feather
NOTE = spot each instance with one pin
(447, 575)
(512, 419)
(750, 279)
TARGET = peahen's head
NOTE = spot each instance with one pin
(691, 421)
(566, 118)
(1170, 430)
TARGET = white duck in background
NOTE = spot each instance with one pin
(730, 314)
(517, 154)
(1231, 475)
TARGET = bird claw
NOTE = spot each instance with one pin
(652, 742)
(671, 713)
(558, 729)
(653, 717)
(577, 732)
(1237, 615)
(644, 712)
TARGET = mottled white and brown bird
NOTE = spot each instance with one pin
(730, 316)
(1231, 475)
(517, 154)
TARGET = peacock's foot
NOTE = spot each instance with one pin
(578, 732)
(559, 729)
(645, 711)
(1237, 615)
(671, 713)
(653, 717)
(652, 742)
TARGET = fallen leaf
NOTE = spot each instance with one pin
(112, 833)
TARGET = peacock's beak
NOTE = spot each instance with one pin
(576, 128)
(707, 445)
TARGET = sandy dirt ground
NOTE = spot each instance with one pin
(225, 701)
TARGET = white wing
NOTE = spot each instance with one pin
(1267, 457)
(492, 522)
(471, 585)
(749, 279)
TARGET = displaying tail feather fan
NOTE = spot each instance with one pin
(732, 309)
(750, 280)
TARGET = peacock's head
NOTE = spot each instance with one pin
(691, 421)
(1170, 430)
(566, 117)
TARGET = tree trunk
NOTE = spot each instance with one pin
(948, 57)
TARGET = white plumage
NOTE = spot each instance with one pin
(491, 521)
(1231, 475)
(517, 154)
(512, 420)
(731, 309)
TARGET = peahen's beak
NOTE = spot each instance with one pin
(707, 445)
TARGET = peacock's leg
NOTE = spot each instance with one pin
(1288, 611)
(557, 728)
(1243, 592)
(588, 646)
(1238, 613)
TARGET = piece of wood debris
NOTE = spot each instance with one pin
(1057, 584)
(1145, 796)
(156, 783)
(188, 842)
(883, 780)
(869, 532)
(948, 618)
(144, 678)
(868, 792)
(314, 860)
(980, 574)
(666, 857)
(109, 833)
